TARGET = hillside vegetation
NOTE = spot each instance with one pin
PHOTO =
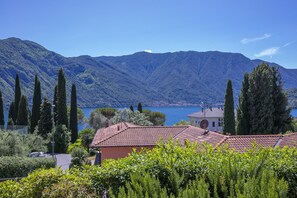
(151, 78)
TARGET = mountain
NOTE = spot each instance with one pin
(151, 78)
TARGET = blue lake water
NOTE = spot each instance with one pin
(173, 114)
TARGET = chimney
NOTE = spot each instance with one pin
(118, 127)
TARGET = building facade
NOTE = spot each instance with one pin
(214, 116)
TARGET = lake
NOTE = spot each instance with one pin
(173, 114)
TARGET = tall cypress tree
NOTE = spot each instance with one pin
(11, 114)
(17, 97)
(36, 105)
(229, 118)
(61, 100)
(45, 124)
(261, 102)
(73, 115)
(23, 112)
(282, 114)
(55, 104)
(139, 107)
(132, 108)
(243, 114)
(1, 110)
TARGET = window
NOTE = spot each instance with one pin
(213, 124)
(220, 122)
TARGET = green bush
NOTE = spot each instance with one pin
(13, 143)
(62, 136)
(79, 157)
(171, 171)
(11, 167)
(76, 144)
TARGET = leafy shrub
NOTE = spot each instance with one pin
(157, 118)
(188, 171)
(76, 144)
(79, 157)
(11, 167)
(13, 143)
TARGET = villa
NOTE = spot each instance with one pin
(214, 116)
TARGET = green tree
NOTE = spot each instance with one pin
(139, 107)
(73, 115)
(17, 98)
(23, 113)
(261, 100)
(11, 114)
(282, 114)
(61, 136)
(45, 124)
(61, 100)
(55, 104)
(131, 108)
(157, 118)
(36, 105)
(243, 114)
(182, 123)
(1, 110)
(229, 118)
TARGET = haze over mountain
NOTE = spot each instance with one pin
(151, 78)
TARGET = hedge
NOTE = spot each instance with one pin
(172, 171)
(14, 166)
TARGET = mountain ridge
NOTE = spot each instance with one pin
(184, 77)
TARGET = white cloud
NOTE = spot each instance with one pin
(289, 43)
(249, 40)
(268, 52)
(148, 51)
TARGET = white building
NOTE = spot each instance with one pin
(214, 116)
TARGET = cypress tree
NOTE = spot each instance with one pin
(73, 115)
(132, 108)
(11, 114)
(45, 124)
(261, 103)
(243, 114)
(61, 100)
(282, 114)
(23, 112)
(55, 104)
(229, 118)
(17, 97)
(139, 107)
(36, 105)
(1, 111)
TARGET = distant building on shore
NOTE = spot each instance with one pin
(214, 116)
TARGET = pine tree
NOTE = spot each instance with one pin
(139, 107)
(11, 114)
(132, 108)
(243, 114)
(261, 102)
(45, 124)
(55, 104)
(229, 118)
(36, 105)
(282, 114)
(17, 97)
(1, 111)
(61, 100)
(73, 115)
(23, 112)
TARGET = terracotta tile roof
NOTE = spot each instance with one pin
(242, 142)
(195, 134)
(127, 134)
(132, 135)
(288, 140)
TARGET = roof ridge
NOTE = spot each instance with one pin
(222, 141)
(181, 131)
(114, 135)
(256, 135)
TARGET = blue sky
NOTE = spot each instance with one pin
(258, 29)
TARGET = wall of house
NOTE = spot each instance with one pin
(215, 124)
(119, 152)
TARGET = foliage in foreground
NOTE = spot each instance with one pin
(11, 167)
(171, 171)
